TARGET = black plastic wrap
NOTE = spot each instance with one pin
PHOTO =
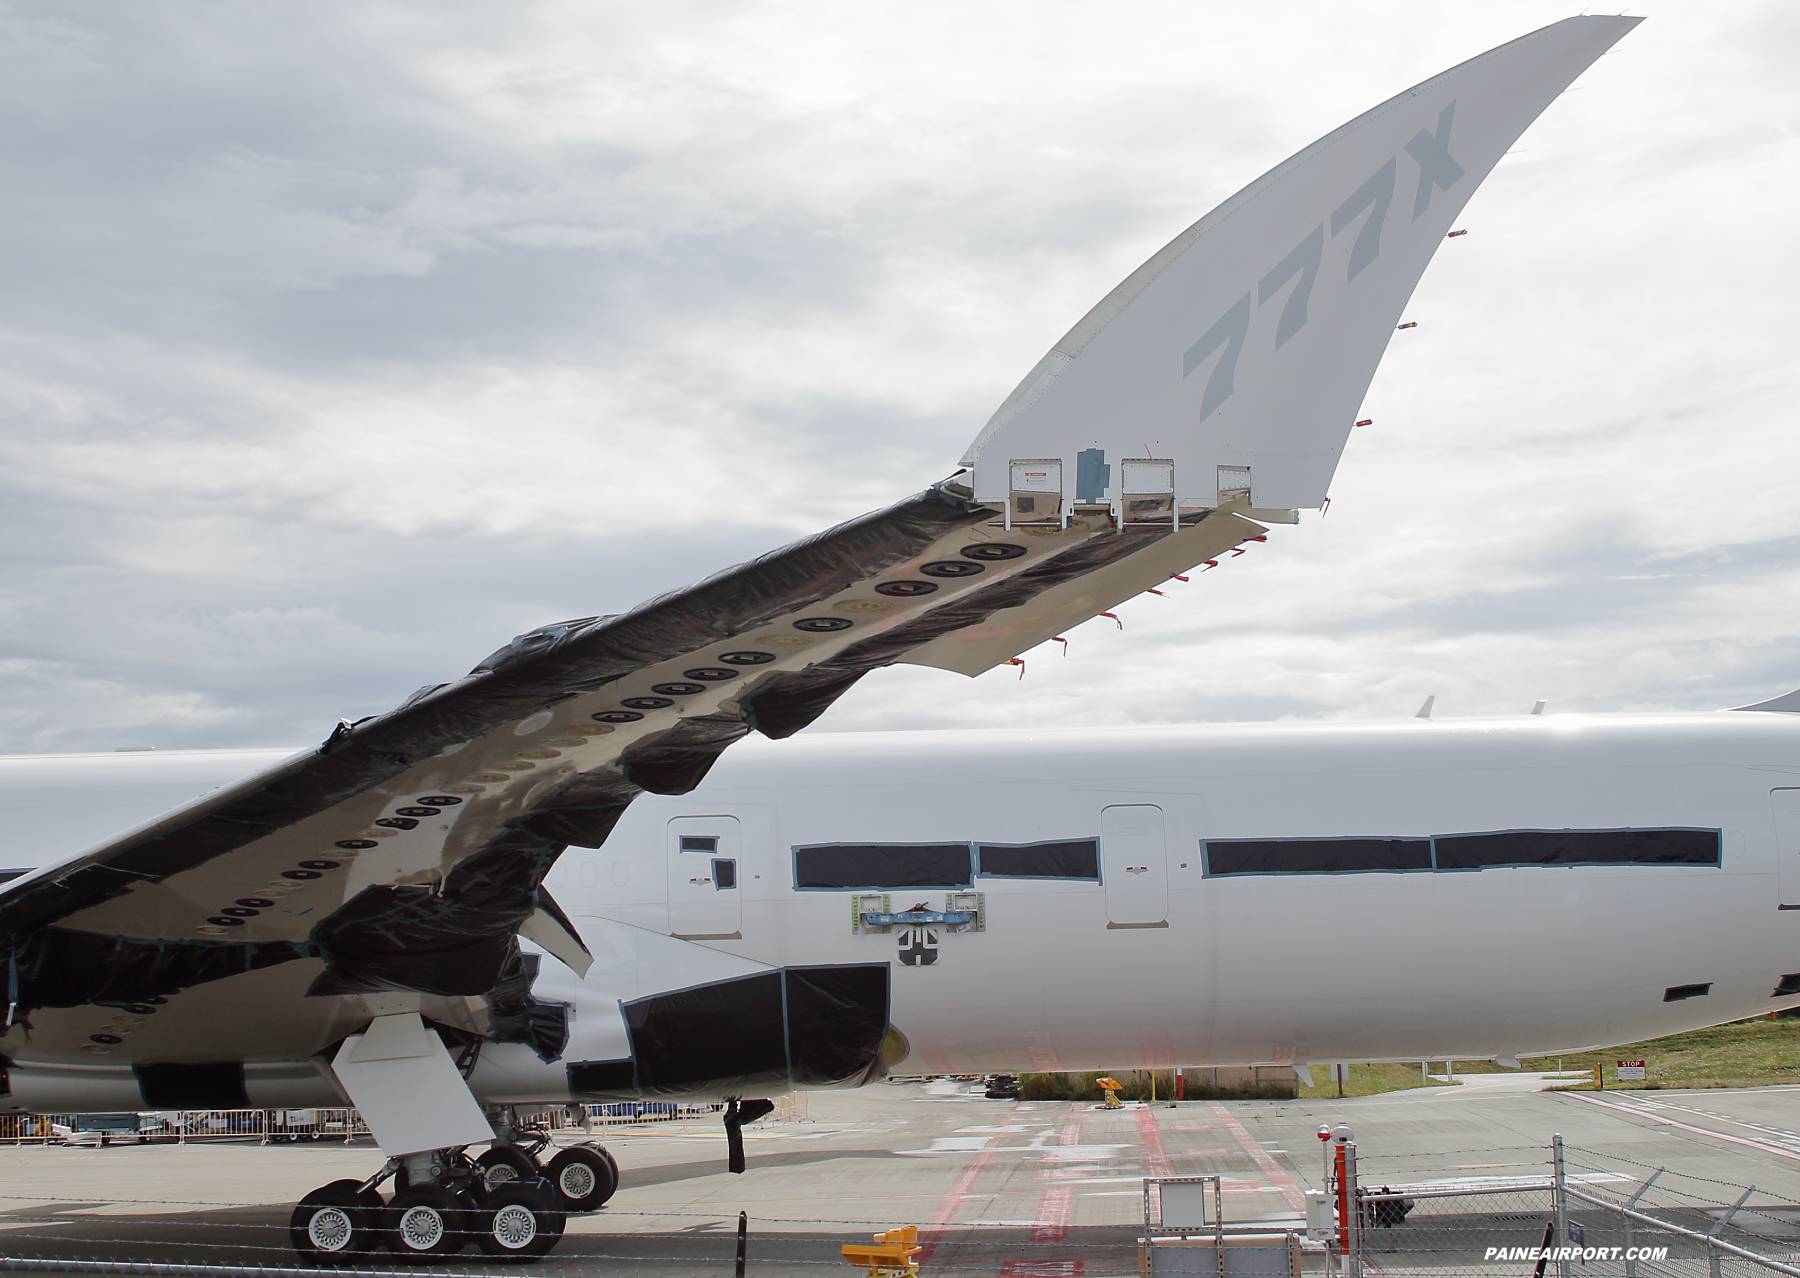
(59, 967)
(583, 811)
(679, 759)
(457, 941)
(516, 1015)
(731, 1036)
(772, 1031)
(837, 1017)
(212, 1085)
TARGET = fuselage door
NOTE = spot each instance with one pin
(1787, 845)
(704, 898)
(1134, 865)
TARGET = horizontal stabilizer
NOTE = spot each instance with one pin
(1786, 703)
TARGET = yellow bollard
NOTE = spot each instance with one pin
(890, 1257)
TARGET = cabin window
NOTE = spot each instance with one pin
(1062, 859)
(1315, 856)
(1578, 847)
(883, 865)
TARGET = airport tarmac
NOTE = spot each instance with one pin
(997, 1187)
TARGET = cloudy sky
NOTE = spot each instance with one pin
(341, 342)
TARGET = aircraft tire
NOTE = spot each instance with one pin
(607, 1154)
(428, 1223)
(519, 1220)
(584, 1177)
(335, 1225)
(504, 1164)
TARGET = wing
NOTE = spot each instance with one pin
(407, 852)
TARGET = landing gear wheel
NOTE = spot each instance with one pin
(427, 1223)
(520, 1221)
(584, 1177)
(335, 1225)
(504, 1164)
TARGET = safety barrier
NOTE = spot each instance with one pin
(281, 1126)
(265, 1126)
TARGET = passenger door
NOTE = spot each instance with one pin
(1134, 865)
(1787, 846)
(703, 861)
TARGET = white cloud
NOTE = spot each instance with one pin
(342, 343)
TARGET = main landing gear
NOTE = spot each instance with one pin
(505, 1202)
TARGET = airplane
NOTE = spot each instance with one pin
(567, 877)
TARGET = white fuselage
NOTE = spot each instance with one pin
(1153, 961)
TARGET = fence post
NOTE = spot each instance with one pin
(1559, 1198)
(1713, 1255)
(1630, 1261)
(1352, 1198)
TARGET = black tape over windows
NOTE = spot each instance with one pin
(1061, 859)
(1579, 847)
(883, 865)
(1315, 856)
(1497, 850)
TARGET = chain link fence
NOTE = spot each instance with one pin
(1565, 1213)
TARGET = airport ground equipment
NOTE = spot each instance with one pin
(889, 1256)
(1112, 1087)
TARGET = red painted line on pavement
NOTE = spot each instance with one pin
(1053, 1214)
(1698, 1131)
(931, 1233)
(1264, 1160)
(1156, 1162)
(1055, 1201)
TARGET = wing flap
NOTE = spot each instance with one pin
(1010, 631)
